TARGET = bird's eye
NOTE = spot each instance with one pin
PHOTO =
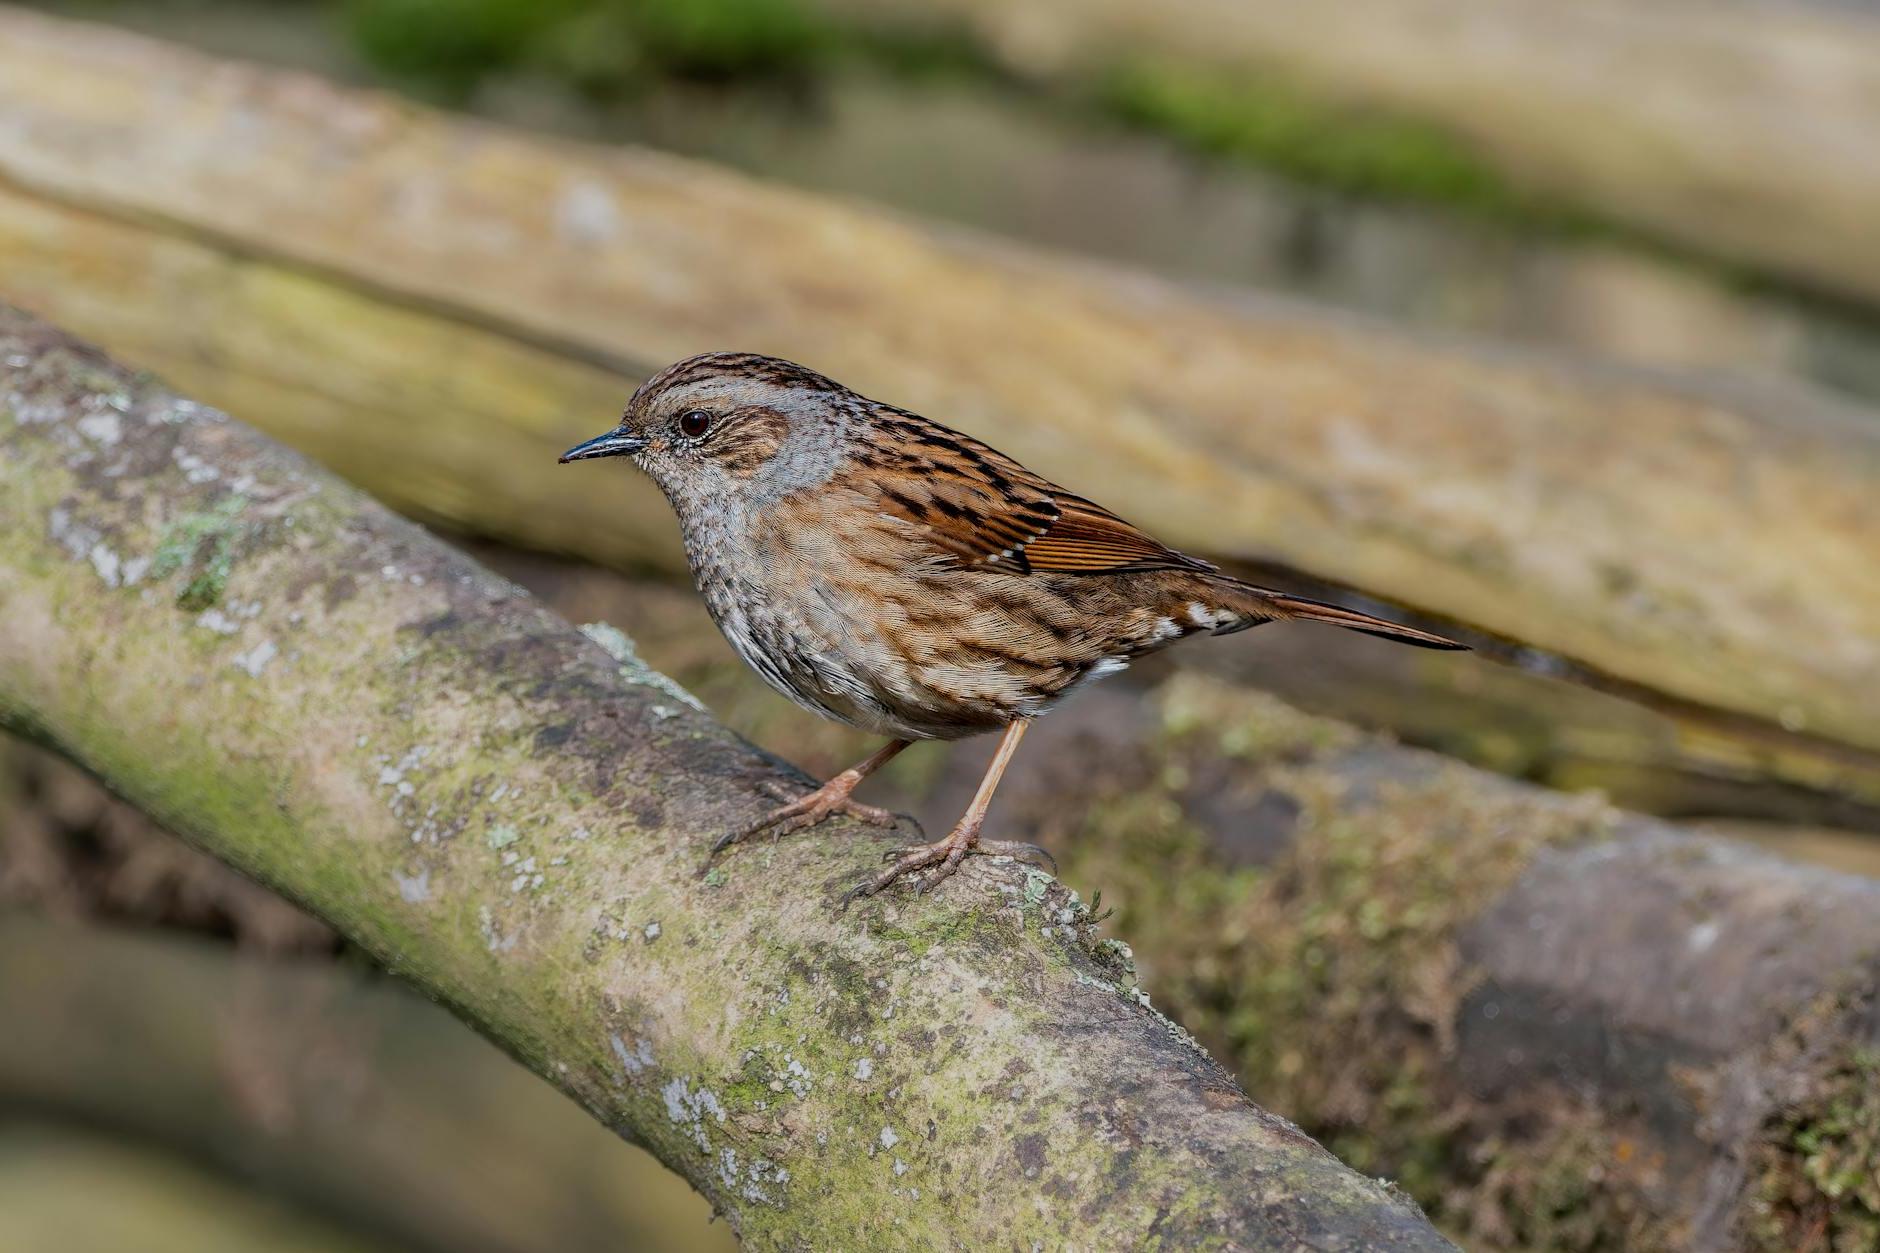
(694, 423)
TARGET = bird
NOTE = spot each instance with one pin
(893, 574)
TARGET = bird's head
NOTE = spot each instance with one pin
(731, 425)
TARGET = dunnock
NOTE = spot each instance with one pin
(890, 573)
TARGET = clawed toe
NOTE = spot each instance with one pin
(908, 860)
(779, 823)
(1020, 849)
(944, 856)
(803, 811)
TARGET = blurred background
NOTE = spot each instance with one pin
(1598, 201)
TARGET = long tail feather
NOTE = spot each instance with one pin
(1273, 604)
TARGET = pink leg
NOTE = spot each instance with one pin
(831, 798)
(946, 855)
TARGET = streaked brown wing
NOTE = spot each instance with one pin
(1087, 538)
(978, 505)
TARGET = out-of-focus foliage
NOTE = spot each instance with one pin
(1269, 122)
(608, 47)
(447, 46)
(1822, 1164)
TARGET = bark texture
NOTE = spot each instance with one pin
(1642, 526)
(514, 816)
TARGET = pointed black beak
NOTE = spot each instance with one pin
(618, 442)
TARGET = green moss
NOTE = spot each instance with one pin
(1268, 120)
(1247, 725)
(1820, 1164)
(1264, 119)
(1329, 977)
(727, 38)
(925, 930)
(203, 546)
(444, 47)
(447, 47)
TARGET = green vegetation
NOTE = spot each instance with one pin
(1270, 122)
(1328, 975)
(203, 546)
(445, 47)
(608, 47)
(1821, 1164)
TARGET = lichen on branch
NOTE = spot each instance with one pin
(322, 695)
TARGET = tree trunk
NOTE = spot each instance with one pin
(514, 817)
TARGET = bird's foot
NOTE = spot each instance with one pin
(806, 811)
(945, 857)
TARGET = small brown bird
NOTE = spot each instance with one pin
(890, 573)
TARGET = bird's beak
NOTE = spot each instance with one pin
(618, 442)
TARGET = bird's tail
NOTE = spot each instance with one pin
(1264, 605)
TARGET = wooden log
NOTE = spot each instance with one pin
(1558, 1025)
(513, 816)
(325, 1085)
(63, 1189)
(1646, 527)
(1737, 129)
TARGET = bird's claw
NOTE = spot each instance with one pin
(945, 857)
(1020, 850)
(804, 811)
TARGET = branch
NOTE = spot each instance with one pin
(1480, 988)
(504, 812)
(323, 1085)
(1477, 986)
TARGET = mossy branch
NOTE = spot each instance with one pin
(513, 817)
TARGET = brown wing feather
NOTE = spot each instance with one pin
(978, 505)
(1088, 538)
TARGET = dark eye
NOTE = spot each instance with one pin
(694, 423)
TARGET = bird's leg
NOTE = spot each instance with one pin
(946, 855)
(831, 798)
